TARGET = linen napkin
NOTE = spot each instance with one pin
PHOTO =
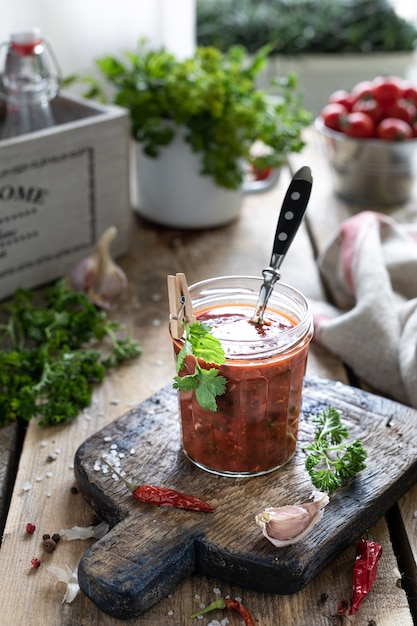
(370, 270)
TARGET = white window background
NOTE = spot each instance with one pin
(81, 31)
(406, 8)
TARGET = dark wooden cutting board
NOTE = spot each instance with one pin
(149, 550)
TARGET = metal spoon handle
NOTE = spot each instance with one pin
(292, 212)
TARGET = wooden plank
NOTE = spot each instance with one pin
(10, 442)
(34, 596)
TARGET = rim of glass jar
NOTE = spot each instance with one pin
(292, 302)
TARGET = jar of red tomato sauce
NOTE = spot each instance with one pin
(254, 430)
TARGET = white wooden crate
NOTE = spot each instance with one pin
(60, 188)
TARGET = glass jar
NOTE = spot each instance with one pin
(254, 430)
(28, 83)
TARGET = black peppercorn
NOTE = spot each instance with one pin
(49, 545)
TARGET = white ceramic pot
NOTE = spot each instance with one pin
(171, 191)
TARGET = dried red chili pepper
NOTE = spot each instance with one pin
(234, 605)
(365, 570)
(35, 562)
(162, 496)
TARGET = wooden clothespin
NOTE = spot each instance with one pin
(180, 306)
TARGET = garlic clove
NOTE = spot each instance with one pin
(65, 575)
(83, 275)
(286, 525)
(98, 276)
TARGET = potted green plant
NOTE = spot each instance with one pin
(195, 123)
(329, 44)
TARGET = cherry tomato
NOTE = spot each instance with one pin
(386, 89)
(409, 92)
(333, 115)
(261, 173)
(394, 129)
(369, 106)
(404, 110)
(341, 96)
(359, 124)
(362, 90)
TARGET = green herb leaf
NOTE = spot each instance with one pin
(331, 460)
(203, 344)
(208, 383)
(52, 353)
(213, 100)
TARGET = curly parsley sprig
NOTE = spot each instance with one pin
(331, 460)
(52, 354)
(207, 383)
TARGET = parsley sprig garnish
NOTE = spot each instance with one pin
(208, 383)
(52, 353)
(331, 459)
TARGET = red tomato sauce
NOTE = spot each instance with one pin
(255, 427)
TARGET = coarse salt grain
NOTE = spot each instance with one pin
(106, 439)
(113, 446)
(217, 591)
(170, 612)
(27, 486)
(39, 478)
(132, 451)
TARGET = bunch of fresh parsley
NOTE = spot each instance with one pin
(207, 383)
(52, 354)
(331, 459)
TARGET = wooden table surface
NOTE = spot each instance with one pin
(34, 597)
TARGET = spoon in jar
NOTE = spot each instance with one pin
(290, 218)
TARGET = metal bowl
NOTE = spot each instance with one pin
(370, 171)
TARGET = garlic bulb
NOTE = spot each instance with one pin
(98, 276)
(286, 525)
